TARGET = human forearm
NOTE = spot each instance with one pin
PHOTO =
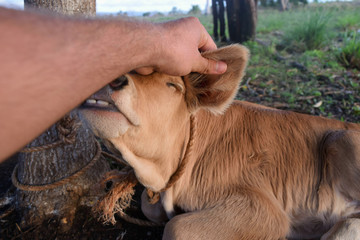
(59, 63)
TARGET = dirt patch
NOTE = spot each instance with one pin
(86, 226)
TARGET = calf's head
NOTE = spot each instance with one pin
(147, 118)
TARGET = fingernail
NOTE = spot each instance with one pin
(221, 67)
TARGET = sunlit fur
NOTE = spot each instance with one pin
(253, 173)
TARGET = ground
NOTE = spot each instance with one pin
(84, 227)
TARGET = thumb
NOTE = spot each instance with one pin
(144, 70)
(209, 66)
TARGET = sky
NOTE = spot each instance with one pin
(114, 6)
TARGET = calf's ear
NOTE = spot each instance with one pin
(216, 92)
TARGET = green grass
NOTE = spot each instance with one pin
(270, 20)
(325, 87)
(310, 33)
(348, 19)
(349, 53)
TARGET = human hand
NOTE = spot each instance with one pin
(179, 47)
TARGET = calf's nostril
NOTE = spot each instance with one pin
(119, 83)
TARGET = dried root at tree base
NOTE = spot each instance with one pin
(119, 197)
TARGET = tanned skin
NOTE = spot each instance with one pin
(50, 64)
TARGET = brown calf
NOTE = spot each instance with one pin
(251, 172)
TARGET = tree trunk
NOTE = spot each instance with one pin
(66, 7)
(284, 5)
(215, 19)
(219, 17)
(242, 19)
(222, 21)
(58, 178)
(207, 8)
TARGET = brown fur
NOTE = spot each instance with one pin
(254, 172)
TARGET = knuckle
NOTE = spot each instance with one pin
(206, 67)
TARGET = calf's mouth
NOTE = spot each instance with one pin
(101, 100)
(99, 104)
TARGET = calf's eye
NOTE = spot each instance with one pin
(171, 85)
(119, 83)
(177, 87)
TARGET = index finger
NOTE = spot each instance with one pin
(206, 43)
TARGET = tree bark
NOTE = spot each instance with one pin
(207, 8)
(222, 21)
(74, 167)
(66, 7)
(215, 19)
(284, 5)
(219, 17)
(57, 165)
(242, 19)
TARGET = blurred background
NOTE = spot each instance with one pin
(129, 6)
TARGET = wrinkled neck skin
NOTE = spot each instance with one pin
(154, 171)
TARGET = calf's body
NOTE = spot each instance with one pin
(252, 172)
(278, 170)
